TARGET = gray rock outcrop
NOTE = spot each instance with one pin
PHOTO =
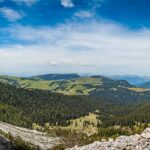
(5, 144)
(33, 137)
(134, 142)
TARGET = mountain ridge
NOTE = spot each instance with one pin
(132, 79)
(53, 113)
(48, 77)
(76, 86)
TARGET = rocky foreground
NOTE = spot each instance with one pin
(134, 142)
(5, 144)
(44, 142)
(33, 137)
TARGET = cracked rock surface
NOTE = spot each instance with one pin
(134, 142)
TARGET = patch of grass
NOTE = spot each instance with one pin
(139, 89)
(67, 87)
(86, 124)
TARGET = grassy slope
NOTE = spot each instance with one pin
(80, 86)
(78, 124)
(97, 86)
(139, 89)
(23, 107)
(71, 87)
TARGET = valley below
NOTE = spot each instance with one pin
(74, 75)
(58, 112)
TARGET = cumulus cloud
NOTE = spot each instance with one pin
(67, 3)
(98, 48)
(10, 14)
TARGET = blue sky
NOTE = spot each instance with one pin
(74, 36)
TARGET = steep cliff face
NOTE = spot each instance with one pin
(5, 144)
(134, 142)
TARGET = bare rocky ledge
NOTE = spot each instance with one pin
(34, 137)
(44, 142)
(134, 142)
(5, 144)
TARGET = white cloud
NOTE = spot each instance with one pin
(10, 14)
(67, 3)
(94, 4)
(26, 2)
(98, 48)
(83, 14)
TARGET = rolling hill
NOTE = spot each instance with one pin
(95, 86)
(76, 86)
(132, 79)
(23, 107)
(48, 77)
(62, 115)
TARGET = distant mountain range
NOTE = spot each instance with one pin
(140, 81)
(69, 84)
(73, 84)
(55, 77)
(134, 80)
(131, 79)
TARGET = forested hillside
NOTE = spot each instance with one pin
(95, 86)
(74, 117)
(24, 107)
(70, 84)
(55, 77)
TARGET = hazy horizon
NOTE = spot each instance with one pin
(83, 36)
(80, 74)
